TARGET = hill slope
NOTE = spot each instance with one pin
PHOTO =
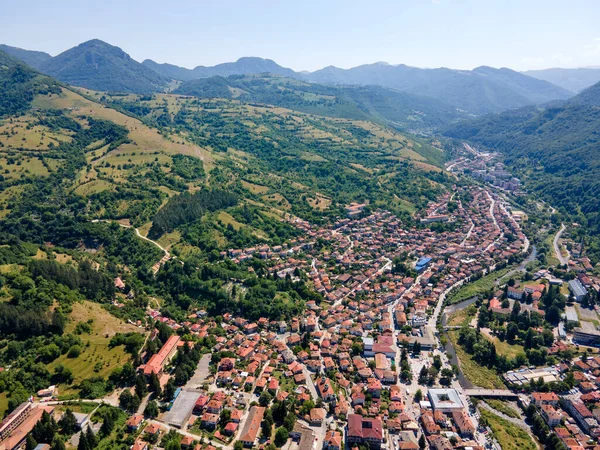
(480, 91)
(555, 148)
(394, 108)
(101, 66)
(31, 58)
(19, 84)
(574, 80)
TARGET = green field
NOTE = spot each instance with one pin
(476, 374)
(504, 348)
(509, 436)
(477, 287)
(96, 359)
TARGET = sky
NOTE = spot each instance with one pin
(312, 34)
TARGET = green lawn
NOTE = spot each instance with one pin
(476, 374)
(509, 436)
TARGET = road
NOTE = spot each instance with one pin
(166, 254)
(492, 205)
(563, 259)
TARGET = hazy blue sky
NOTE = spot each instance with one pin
(311, 34)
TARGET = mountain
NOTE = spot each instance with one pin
(383, 105)
(243, 66)
(100, 66)
(31, 58)
(479, 91)
(574, 80)
(555, 148)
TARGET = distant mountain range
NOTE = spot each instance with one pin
(100, 66)
(575, 80)
(243, 66)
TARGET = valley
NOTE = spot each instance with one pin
(248, 256)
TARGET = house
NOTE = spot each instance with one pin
(364, 431)
(187, 441)
(325, 389)
(226, 364)
(153, 429)
(137, 445)
(544, 398)
(252, 426)
(134, 422)
(463, 423)
(333, 440)
(209, 420)
(551, 415)
(317, 415)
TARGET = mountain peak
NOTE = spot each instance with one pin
(98, 65)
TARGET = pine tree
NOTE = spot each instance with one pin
(108, 425)
(57, 444)
(30, 442)
(155, 384)
(68, 423)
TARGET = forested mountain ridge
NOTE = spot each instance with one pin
(575, 80)
(555, 148)
(32, 58)
(394, 108)
(101, 66)
(480, 91)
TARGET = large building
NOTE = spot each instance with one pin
(577, 289)
(445, 400)
(252, 426)
(422, 263)
(364, 431)
(16, 426)
(157, 362)
(586, 336)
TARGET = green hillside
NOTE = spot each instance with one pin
(384, 105)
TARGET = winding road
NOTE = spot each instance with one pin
(166, 253)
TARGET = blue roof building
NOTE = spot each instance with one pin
(422, 263)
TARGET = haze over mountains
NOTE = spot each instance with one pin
(101, 66)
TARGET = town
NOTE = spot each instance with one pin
(366, 367)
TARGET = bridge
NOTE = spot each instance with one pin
(499, 393)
